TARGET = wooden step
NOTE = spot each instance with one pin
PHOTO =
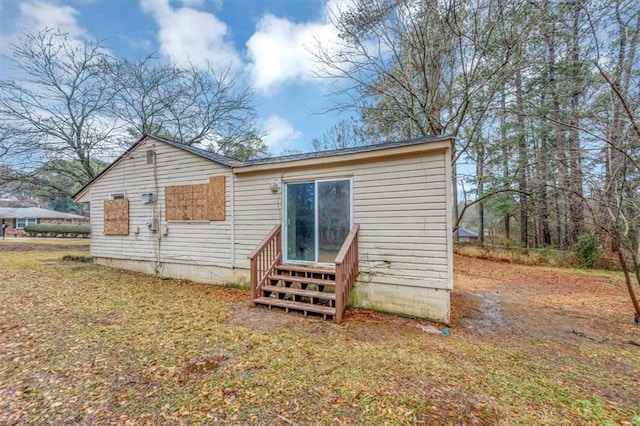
(302, 280)
(298, 306)
(306, 269)
(299, 292)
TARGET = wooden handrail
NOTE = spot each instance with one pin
(347, 244)
(265, 241)
(346, 271)
(265, 259)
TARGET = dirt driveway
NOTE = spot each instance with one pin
(507, 300)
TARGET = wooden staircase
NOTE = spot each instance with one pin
(318, 290)
(300, 288)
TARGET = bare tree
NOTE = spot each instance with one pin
(190, 105)
(413, 68)
(73, 107)
(61, 103)
(620, 197)
(343, 134)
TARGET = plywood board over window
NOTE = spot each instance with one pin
(217, 200)
(116, 217)
(204, 201)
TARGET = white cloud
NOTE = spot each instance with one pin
(280, 51)
(279, 134)
(186, 34)
(38, 15)
(192, 3)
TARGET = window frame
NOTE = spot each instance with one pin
(284, 218)
(27, 222)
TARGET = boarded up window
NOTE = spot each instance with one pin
(116, 217)
(217, 200)
(196, 202)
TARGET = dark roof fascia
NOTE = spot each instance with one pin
(216, 158)
(342, 151)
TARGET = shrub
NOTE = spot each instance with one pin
(586, 250)
(77, 258)
(55, 230)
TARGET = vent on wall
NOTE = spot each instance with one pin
(151, 155)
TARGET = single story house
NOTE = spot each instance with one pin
(467, 236)
(366, 226)
(14, 219)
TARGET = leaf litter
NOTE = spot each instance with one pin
(97, 345)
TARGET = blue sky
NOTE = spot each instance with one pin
(267, 41)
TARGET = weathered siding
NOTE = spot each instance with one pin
(401, 202)
(189, 243)
(401, 205)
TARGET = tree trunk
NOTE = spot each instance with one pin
(576, 198)
(480, 177)
(454, 193)
(627, 276)
(522, 161)
(561, 180)
(505, 159)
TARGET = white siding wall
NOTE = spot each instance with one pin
(401, 204)
(190, 243)
(404, 240)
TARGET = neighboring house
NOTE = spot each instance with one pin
(467, 236)
(297, 227)
(16, 218)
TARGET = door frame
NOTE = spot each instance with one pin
(285, 248)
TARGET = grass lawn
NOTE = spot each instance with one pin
(86, 344)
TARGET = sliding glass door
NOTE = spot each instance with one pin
(301, 221)
(317, 218)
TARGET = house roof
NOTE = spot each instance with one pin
(342, 151)
(239, 165)
(466, 233)
(212, 156)
(35, 213)
(216, 158)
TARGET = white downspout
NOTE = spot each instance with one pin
(233, 220)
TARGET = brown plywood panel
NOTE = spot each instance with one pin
(116, 217)
(217, 198)
(187, 202)
(173, 202)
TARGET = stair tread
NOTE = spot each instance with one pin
(300, 268)
(300, 306)
(300, 292)
(304, 280)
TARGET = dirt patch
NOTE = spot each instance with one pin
(261, 319)
(488, 319)
(497, 298)
(360, 325)
(201, 365)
